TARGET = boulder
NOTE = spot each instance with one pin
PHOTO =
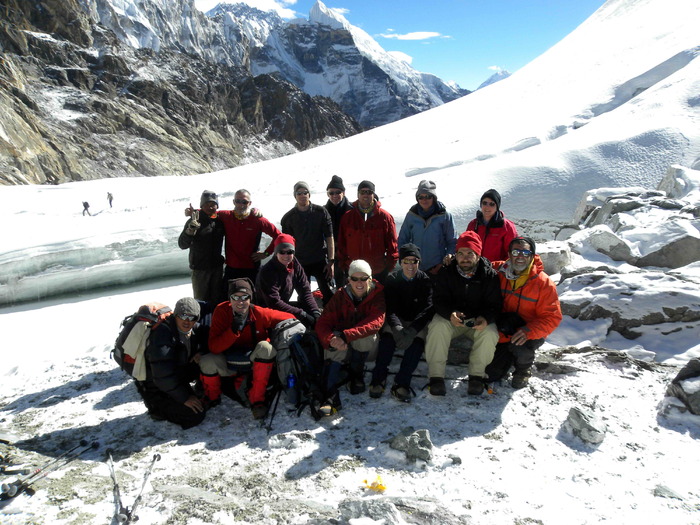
(586, 425)
(686, 386)
(555, 256)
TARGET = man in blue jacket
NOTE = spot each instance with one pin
(429, 226)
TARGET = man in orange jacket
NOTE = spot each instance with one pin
(531, 312)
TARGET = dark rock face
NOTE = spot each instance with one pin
(77, 104)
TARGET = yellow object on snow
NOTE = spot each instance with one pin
(376, 486)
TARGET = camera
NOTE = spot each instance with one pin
(469, 323)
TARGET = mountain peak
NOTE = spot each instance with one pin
(321, 14)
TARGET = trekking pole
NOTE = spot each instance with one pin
(120, 512)
(10, 490)
(274, 411)
(131, 514)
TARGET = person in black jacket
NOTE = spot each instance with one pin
(337, 206)
(280, 277)
(172, 358)
(409, 309)
(204, 236)
(312, 227)
(467, 299)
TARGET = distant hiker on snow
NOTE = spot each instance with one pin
(86, 208)
(467, 299)
(109, 199)
(429, 225)
(239, 342)
(172, 354)
(203, 235)
(531, 311)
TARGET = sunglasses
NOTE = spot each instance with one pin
(424, 197)
(334, 193)
(240, 298)
(488, 203)
(358, 279)
(286, 252)
(186, 317)
(241, 201)
(524, 253)
(409, 261)
(302, 193)
(366, 192)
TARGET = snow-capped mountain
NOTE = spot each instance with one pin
(499, 75)
(326, 55)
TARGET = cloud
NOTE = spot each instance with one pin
(398, 55)
(495, 68)
(416, 35)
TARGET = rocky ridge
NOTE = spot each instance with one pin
(80, 104)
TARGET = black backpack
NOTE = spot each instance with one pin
(153, 314)
(306, 355)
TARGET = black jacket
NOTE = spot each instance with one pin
(336, 213)
(309, 229)
(169, 365)
(478, 296)
(408, 300)
(205, 245)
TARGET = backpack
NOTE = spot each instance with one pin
(299, 355)
(152, 315)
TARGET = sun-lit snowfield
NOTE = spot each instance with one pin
(614, 104)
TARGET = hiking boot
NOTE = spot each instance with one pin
(357, 385)
(376, 391)
(520, 379)
(437, 386)
(476, 385)
(331, 405)
(401, 393)
(259, 410)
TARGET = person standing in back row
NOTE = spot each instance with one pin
(429, 226)
(491, 225)
(337, 206)
(203, 235)
(312, 228)
(368, 232)
(243, 234)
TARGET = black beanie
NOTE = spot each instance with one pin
(409, 250)
(365, 184)
(494, 196)
(336, 183)
(241, 284)
(518, 240)
(208, 196)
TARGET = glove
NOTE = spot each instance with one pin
(238, 323)
(397, 332)
(308, 319)
(316, 314)
(406, 338)
(194, 224)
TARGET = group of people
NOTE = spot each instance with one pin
(378, 292)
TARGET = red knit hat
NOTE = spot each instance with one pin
(471, 240)
(284, 241)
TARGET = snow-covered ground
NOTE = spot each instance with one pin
(614, 104)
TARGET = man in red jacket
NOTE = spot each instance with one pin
(239, 345)
(531, 312)
(348, 329)
(243, 234)
(368, 232)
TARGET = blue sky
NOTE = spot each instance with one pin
(460, 40)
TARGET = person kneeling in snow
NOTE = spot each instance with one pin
(531, 312)
(239, 342)
(174, 349)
